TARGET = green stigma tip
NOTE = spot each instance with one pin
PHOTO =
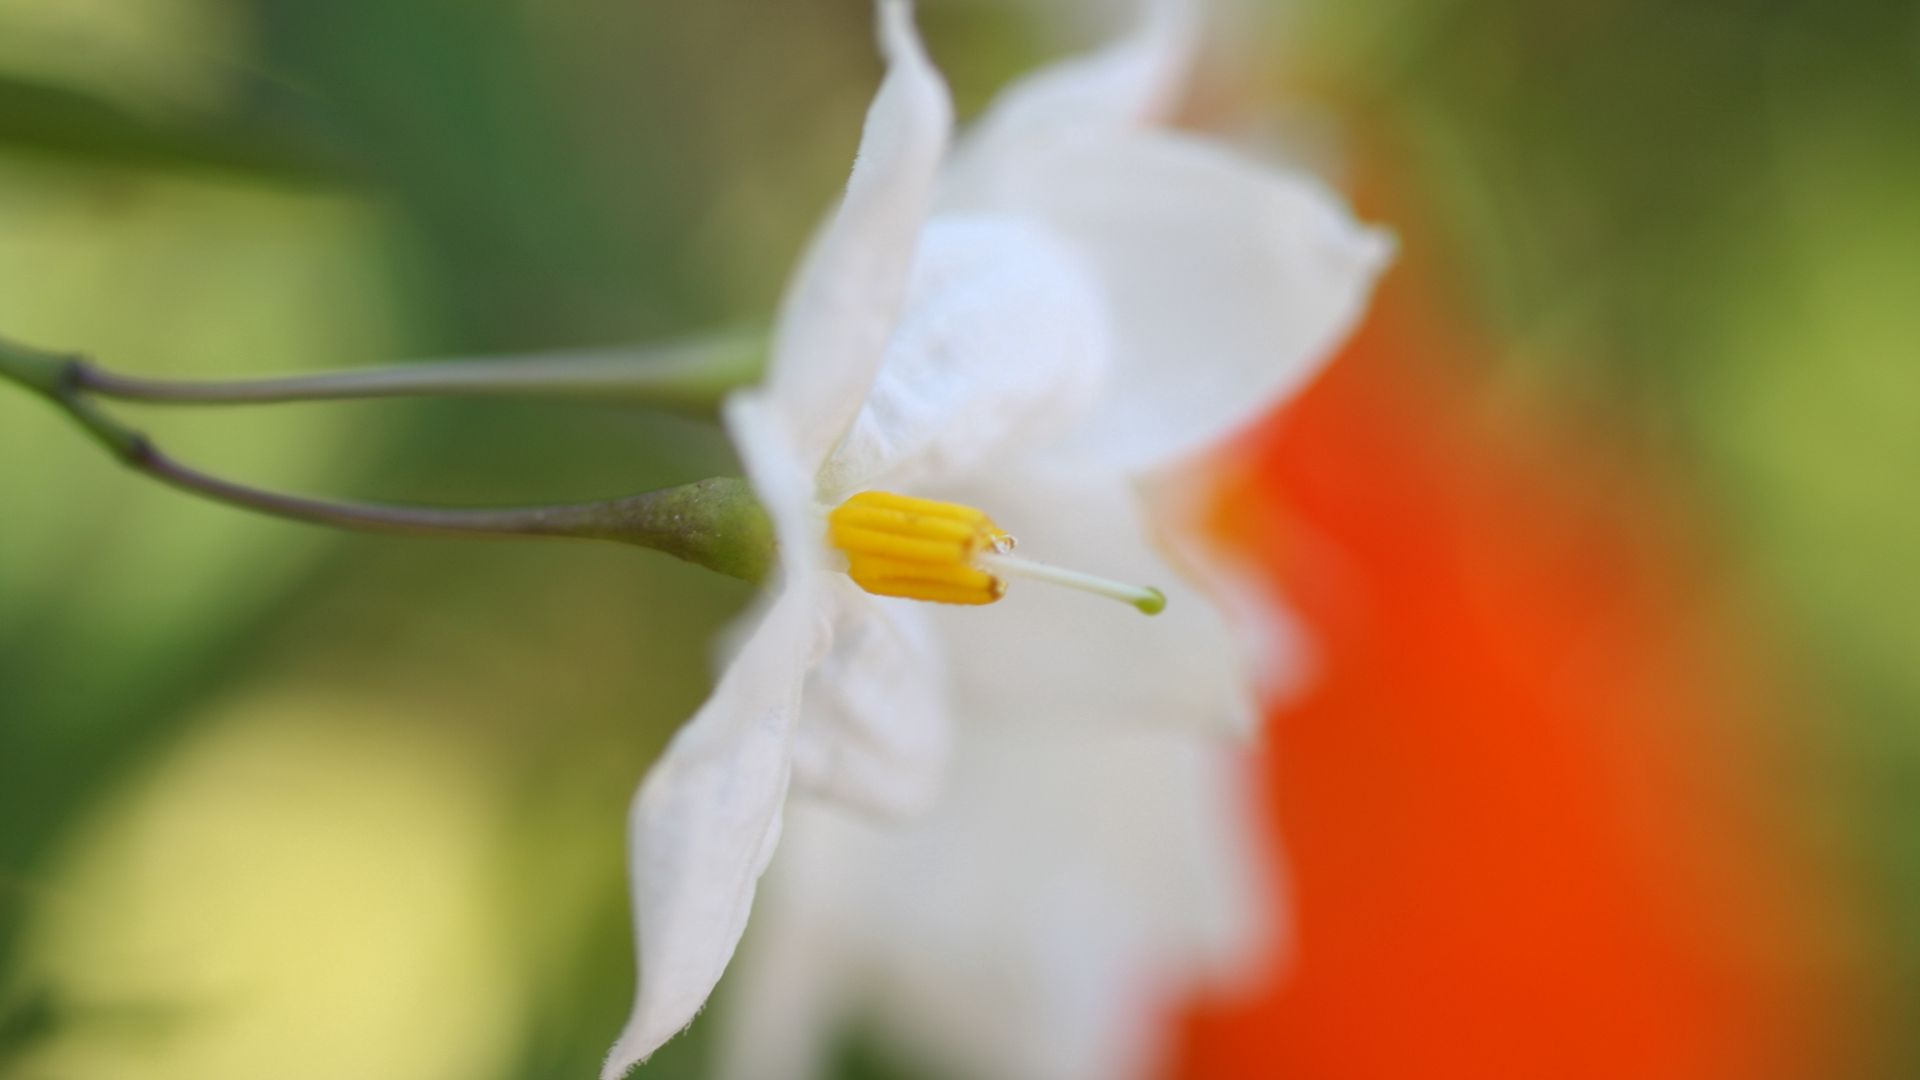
(1153, 603)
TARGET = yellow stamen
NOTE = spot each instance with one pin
(947, 553)
(917, 548)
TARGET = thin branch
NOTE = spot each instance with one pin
(694, 373)
(716, 523)
(558, 520)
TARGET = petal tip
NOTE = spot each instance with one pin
(899, 35)
(906, 56)
(621, 1060)
(1242, 723)
(647, 1031)
(1375, 246)
(896, 27)
(909, 64)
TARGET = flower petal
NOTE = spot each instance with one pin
(1129, 82)
(1275, 650)
(706, 819)
(875, 727)
(705, 823)
(837, 316)
(1051, 655)
(783, 483)
(1070, 886)
(787, 1000)
(1002, 343)
(1229, 283)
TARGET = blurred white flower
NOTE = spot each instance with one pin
(1035, 925)
(1072, 300)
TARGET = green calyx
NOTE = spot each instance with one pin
(716, 523)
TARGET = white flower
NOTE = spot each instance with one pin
(1067, 888)
(1070, 300)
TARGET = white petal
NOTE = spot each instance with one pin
(782, 481)
(1229, 283)
(1274, 649)
(839, 312)
(1133, 81)
(1071, 886)
(705, 823)
(875, 728)
(1050, 655)
(788, 998)
(1003, 343)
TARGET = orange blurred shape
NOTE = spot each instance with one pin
(1524, 800)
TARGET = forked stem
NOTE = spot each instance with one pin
(716, 523)
(692, 374)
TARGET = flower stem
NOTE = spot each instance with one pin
(692, 374)
(52, 376)
(716, 523)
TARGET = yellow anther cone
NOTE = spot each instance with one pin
(919, 549)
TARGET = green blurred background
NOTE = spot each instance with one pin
(273, 799)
